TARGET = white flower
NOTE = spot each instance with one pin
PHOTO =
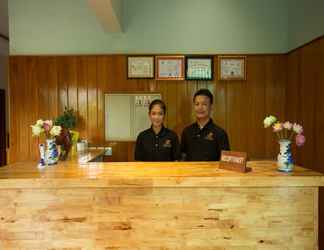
(56, 130)
(288, 125)
(40, 122)
(36, 130)
(298, 129)
(268, 121)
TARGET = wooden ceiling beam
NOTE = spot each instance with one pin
(108, 13)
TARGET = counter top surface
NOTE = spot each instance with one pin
(78, 172)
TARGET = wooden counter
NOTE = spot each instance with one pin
(162, 206)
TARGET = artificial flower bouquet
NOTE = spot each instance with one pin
(48, 151)
(47, 128)
(286, 130)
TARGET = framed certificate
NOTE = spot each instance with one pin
(199, 68)
(169, 67)
(140, 67)
(231, 68)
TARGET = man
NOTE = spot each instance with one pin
(203, 140)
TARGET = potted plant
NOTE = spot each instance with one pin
(67, 121)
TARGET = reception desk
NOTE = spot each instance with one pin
(157, 206)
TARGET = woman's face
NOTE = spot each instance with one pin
(202, 107)
(156, 116)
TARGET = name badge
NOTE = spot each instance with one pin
(235, 161)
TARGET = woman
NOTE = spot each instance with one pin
(157, 143)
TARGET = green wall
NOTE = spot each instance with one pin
(150, 26)
(306, 21)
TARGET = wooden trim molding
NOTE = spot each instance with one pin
(4, 37)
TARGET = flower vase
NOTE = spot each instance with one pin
(51, 152)
(285, 161)
(42, 161)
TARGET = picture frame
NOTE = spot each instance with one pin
(199, 68)
(170, 67)
(231, 68)
(140, 67)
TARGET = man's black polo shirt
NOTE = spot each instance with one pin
(163, 146)
(203, 144)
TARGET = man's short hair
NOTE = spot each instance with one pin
(204, 92)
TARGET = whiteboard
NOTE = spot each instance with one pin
(126, 115)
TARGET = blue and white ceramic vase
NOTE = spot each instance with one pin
(52, 155)
(42, 153)
(285, 161)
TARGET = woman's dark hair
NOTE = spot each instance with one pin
(157, 102)
(204, 92)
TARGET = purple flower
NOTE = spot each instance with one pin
(300, 140)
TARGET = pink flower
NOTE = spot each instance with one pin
(298, 129)
(49, 122)
(300, 140)
(277, 127)
(288, 125)
(46, 127)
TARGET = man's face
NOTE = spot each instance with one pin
(202, 107)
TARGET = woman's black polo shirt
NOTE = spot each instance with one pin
(203, 144)
(163, 146)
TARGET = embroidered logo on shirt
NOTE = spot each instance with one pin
(167, 143)
(210, 136)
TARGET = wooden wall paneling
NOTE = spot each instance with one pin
(191, 89)
(68, 82)
(162, 88)
(117, 75)
(275, 82)
(292, 104)
(219, 90)
(81, 81)
(236, 109)
(238, 112)
(182, 106)
(32, 106)
(63, 86)
(83, 96)
(319, 114)
(19, 120)
(25, 131)
(53, 89)
(13, 109)
(92, 103)
(292, 100)
(256, 106)
(43, 90)
(308, 75)
(152, 85)
(171, 99)
(304, 104)
(102, 82)
(319, 135)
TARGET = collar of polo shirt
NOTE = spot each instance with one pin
(207, 125)
(161, 133)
